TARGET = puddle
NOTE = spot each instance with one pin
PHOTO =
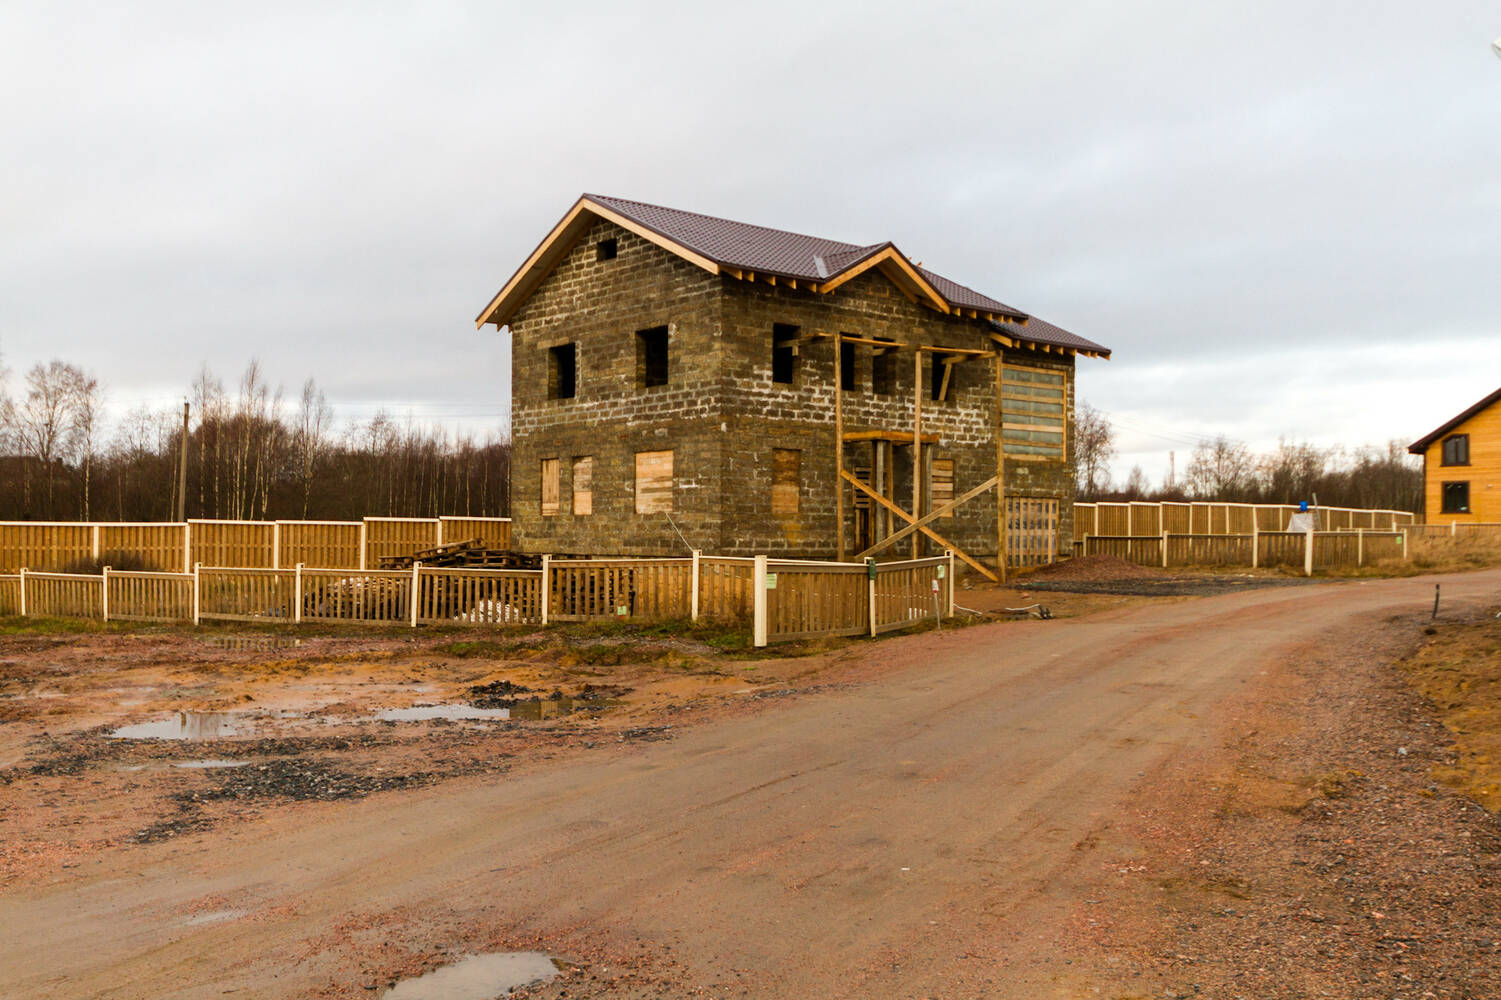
(254, 642)
(422, 713)
(213, 917)
(210, 764)
(548, 708)
(478, 977)
(184, 726)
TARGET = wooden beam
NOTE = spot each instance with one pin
(898, 437)
(1000, 467)
(916, 444)
(948, 376)
(978, 567)
(922, 522)
(839, 449)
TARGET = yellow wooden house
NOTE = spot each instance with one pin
(1462, 466)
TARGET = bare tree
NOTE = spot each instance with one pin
(85, 399)
(1094, 447)
(310, 441)
(1220, 469)
(42, 423)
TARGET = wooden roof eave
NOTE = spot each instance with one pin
(558, 242)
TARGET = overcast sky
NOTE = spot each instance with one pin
(1285, 218)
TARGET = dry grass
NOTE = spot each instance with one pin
(1459, 671)
(1433, 555)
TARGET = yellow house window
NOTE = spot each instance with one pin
(1457, 449)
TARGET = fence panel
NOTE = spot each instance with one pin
(64, 595)
(232, 543)
(363, 596)
(725, 588)
(1382, 545)
(1139, 549)
(813, 600)
(10, 595)
(1112, 518)
(320, 544)
(397, 536)
(649, 589)
(1209, 550)
(158, 546)
(492, 532)
(904, 593)
(1145, 518)
(1086, 519)
(43, 546)
(1177, 518)
(235, 594)
(150, 597)
(1281, 548)
(479, 596)
(1476, 529)
(1333, 549)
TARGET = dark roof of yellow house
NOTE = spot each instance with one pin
(1421, 444)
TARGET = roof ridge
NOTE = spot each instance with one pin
(736, 222)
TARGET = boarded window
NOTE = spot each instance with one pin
(882, 372)
(783, 353)
(1457, 450)
(1034, 407)
(583, 485)
(943, 483)
(653, 482)
(786, 475)
(549, 487)
(651, 357)
(562, 371)
(849, 379)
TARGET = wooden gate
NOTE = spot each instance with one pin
(1031, 531)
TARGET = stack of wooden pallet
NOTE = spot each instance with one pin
(468, 554)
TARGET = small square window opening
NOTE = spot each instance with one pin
(783, 353)
(606, 249)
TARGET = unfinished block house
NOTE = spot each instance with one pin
(681, 381)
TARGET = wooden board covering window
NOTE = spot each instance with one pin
(786, 476)
(943, 483)
(549, 487)
(583, 485)
(1031, 531)
(1034, 407)
(653, 482)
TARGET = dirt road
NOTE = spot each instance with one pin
(935, 831)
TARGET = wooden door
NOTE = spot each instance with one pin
(1031, 531)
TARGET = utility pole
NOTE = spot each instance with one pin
(182, 469)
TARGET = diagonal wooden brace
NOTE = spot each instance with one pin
(979, 567)
(919, 525)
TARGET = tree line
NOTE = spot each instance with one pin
(252, 454)
(1380, 477)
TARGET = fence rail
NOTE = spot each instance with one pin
(1137, 518)
(1308, 550)
(778, 599)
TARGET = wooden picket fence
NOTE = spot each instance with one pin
(1135, 518)
(175, 547)
(777, 599)
(1308, 550)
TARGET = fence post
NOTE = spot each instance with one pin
(1164, 550)
(276, 546)
(1404, 546)
(870, 585)
(104, 593)
(364, 525)
(196, 599)
(187, 546)
(1308, 553)
(1359, 546)
(951, 583)
(23, 592)
(95, 535)
(1452, 526)
(758, 603)
(1086, 542)
(1255, 545)
(696, 555)
(546, 586)
(416, 587)
(297, 594)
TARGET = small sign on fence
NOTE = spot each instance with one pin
(771, 581)
(942, 572)
(935, 583)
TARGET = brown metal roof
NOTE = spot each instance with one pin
(1040, 331)
(1419, 446)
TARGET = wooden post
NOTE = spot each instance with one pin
(758, 603)
(1404, 546)
(1164, 550)
(416, 587)
(1359, 547)
(440, 531)
(1308, 553)
(95, 533)
(1453, 525)
(23, 592)
(187, 546)
(1131, 518)
(297, 591)
(546, 586)
(276, 545)
(878, 514)
(839, 446)
(916, 445)
(694, 600)
(1255, 545)
(363, 526)
(870, 582)
(104, 593)
(889, 490)
(951, 583)
(196, 598)
(1000, 468)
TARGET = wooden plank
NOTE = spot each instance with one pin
(653, 482)
(919, 525)
(978, 567)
